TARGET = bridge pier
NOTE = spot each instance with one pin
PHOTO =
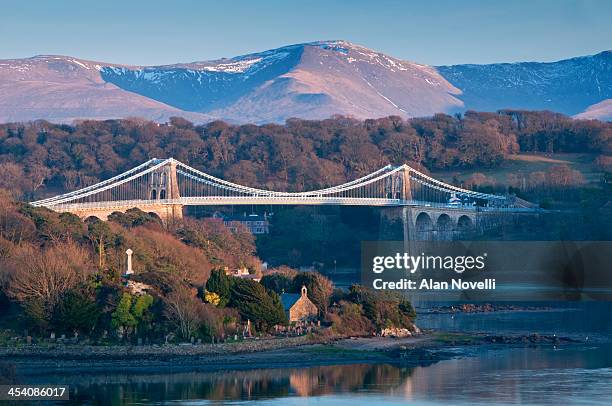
(167, 212)
(432, 224)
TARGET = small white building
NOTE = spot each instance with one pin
(255, 223)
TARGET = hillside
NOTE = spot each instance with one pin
(62, 89)
(42, 159)
(569, 86)
(311, 81)
(598, 111)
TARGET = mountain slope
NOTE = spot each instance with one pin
(598, 111)
(62, 89)
(312, 81)
(569, 86)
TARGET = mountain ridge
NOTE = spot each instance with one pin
(312, 80)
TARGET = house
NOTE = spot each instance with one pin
(242, 273)
(255, 223)
(298, 307)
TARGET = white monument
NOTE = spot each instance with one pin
(129, 270)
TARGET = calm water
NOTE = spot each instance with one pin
(575, 374)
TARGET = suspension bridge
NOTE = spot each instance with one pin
(165, 186)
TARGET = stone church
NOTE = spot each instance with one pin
(298, 307)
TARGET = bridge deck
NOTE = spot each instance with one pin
(170, 184)
(268, 200)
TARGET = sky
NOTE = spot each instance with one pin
(432, 32)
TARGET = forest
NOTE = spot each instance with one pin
(40, 158)
(60, 275)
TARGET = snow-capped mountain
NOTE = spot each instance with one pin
(313, 80)
(203, 86)
(569, 86)
(63, 89)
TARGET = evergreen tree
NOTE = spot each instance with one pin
(77, 312)
(122, 317)
(277, 282)
(219, 283)
(140, 311)
(257, 304)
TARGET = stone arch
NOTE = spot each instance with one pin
(155, 215)
(444, 223)
(444, 227)
(423, 222)
(465, 223)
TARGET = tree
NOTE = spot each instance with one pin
(220, 284)
(100, 235)
(277, 282)
(14, 226)
(134, 217)
(158, 251)
(77, 311)
(212, 298)
(384, 308)
(37, 314)
(140, 307)
(122, 318)
(183, 310)
(255, 303)
(348, 318)
(42, 277)
(479, 180)
(13, 178)
(220, 245)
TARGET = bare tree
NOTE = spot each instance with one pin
(46, 275)
(38, 174)
(183, 309)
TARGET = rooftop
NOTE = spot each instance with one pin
(289, 299)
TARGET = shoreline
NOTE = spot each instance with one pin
(295, 352)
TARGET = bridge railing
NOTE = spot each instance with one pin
(379, 188)
(276, 200)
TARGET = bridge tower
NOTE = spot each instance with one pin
(404, 175)
(164, 189)
(398, 185)
(164, 183)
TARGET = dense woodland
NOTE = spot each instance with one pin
(40, 158)
(62, 275)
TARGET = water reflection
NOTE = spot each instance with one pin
(580, 373)
(493, 376)
(236, 385)
(580, 320)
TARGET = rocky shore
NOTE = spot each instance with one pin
(98, 352)
(294, 352)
